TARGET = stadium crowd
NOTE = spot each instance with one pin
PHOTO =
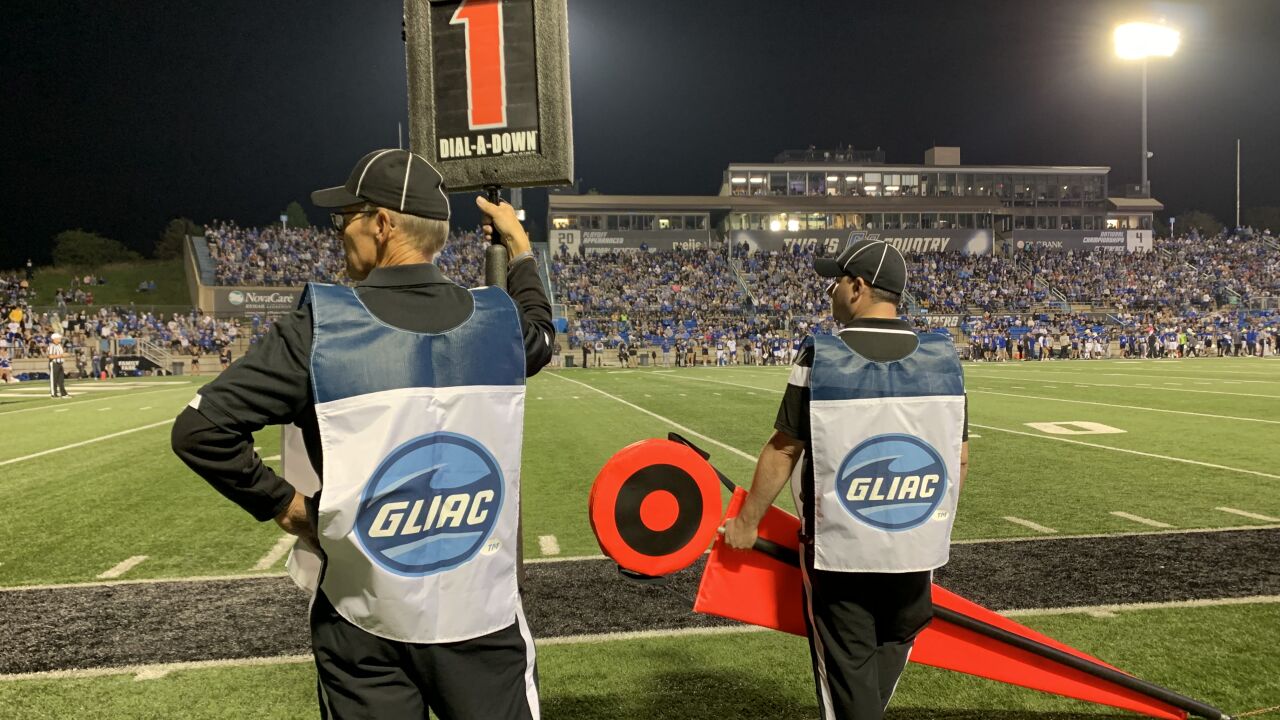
(674, 300)
(289, 256)
(700, 307)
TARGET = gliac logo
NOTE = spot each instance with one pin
(431, 505)
(892, 482)
(235, 297)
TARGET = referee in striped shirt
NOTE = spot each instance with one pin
(57, 379)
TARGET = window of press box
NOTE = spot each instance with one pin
(946, 184)
(563, 222)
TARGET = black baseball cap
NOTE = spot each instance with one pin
(394, 179)
(875, 261)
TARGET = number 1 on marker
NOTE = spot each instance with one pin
(486, 71)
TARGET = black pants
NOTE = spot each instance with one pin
(57, 380)
(861, 628)
(366, 677)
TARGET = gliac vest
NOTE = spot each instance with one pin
(419, 499)
(886, 440)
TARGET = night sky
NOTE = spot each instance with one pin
(119, 116)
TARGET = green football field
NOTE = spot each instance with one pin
(91, 494)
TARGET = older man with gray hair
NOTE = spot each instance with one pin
(407, 392)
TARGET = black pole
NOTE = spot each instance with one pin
(495, 256)
(495, 275)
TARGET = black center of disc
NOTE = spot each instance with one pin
(626, 513)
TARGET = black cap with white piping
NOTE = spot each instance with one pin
(875, 261)
(395, 179)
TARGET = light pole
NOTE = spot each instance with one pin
(1140, 41)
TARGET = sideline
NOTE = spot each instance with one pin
(160, 670)
(73, 403)
(1125, 407)
(666, 420)
(1131, 452)
(42, 453)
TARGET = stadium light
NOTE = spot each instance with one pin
(851, 178)
(738, 181)
(775, 225)
(757, 180)
(1139, 41)
(793, 225)
(832, 178)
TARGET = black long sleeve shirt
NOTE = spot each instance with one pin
(271, 384)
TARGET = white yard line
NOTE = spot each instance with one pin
(271, 459)
(165, 580)
(1028, 524)
(85, 402)
(123, 567)
(1245, 513)
(277, 551)
(1107, 610)
(1131, 452)
(602, 558)
(596, 638)
(42, 453)
(576, 558)
(723, 382)
(1006, 378)
(1126, 407)
(1135, 533)
(656, 416)
(160, 670)
(1190, 377)
(1140, 519)
(548, 545)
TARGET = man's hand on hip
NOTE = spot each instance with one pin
(294, 520)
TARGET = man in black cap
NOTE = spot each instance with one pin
(875, 420)
(406, 392)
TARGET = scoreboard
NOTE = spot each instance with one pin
(489, 90)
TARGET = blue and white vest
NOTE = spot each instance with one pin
(886, 442)
(421, 436)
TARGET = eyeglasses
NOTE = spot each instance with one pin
(339, 219)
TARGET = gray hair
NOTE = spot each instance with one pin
(425, 234)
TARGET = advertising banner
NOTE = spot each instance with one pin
(130, 365)
(269, 301)
(1083, 240)
(597, 241)
(829, 242)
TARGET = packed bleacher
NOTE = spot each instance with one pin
(293, 256)
(663, 298)
(274, 255)
(121, 328)
(696, 305)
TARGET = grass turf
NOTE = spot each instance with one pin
(122, 283)
(129, 496)
(1225, 656)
